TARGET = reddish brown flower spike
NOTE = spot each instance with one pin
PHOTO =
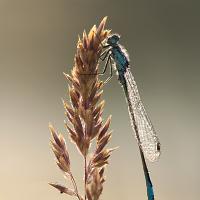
(85, 117)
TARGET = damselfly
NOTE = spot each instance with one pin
(145, 134)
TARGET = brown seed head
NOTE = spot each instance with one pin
(59, 148)
(85, 90)
(85, 116)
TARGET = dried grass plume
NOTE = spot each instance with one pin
(84, 114)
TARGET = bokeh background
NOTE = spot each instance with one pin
(37, 43)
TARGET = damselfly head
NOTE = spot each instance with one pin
(113, 39)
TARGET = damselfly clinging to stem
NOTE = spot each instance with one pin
(145, 134)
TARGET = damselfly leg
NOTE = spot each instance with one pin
(106, 55)
(109, 62)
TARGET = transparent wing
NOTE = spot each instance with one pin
(146, 135)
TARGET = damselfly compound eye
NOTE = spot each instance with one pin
(113, 39)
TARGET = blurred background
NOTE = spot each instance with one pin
(38, 42)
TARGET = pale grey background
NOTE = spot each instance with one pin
(38, 42)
